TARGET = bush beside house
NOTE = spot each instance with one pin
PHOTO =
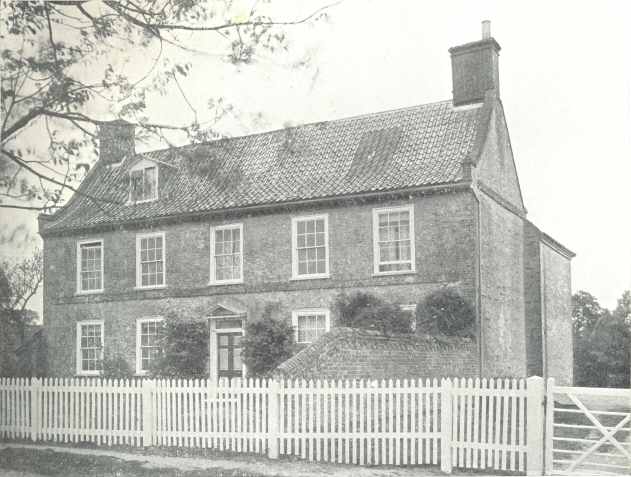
(445, 311)
(376, 340)
(267, 343)
(184, 348)
(366, 311)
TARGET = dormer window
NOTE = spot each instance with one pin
(143, 183)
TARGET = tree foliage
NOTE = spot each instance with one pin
(19, 281)
(184, 345)
(445, 311)
(366, 311)
(602, 341)
(266, 344)
(64, 60)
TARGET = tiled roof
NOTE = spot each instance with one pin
(346, 353)
(392, 150)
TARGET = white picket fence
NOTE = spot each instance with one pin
(465, 423)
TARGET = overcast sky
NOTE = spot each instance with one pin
(565, 82)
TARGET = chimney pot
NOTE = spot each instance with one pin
(116, 141)
(486, 29)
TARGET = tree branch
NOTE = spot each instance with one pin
(155, 27)
(21, 163)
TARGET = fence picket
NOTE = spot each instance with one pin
(361, 422)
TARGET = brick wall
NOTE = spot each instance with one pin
(502, 290)
(445, 245)
(557, 315)
(355, 354)
(496, 166)
(532, 299)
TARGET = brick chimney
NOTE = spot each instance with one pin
(116, 141)
(474, 68)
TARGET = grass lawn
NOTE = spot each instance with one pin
(29, 462)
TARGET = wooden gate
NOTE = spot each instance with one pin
(588, 430)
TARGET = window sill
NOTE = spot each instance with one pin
(89, 292)
(154, 287)
(225, 282)
(311, 277)
(87, 374)
(398, 272)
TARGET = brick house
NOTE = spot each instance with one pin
(395, 203)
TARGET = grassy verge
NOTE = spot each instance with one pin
(47, 462)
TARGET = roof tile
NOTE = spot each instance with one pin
(410, 147)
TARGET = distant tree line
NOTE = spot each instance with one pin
(602, 341)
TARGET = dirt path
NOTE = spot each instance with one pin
(261, 465)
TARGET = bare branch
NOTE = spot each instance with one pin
(156, 27)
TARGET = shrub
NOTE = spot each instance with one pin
(116, 367)
(445, 311)
(266, 344)
(184, 349)
(366, 311)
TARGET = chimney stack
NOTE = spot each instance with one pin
(116, 141)
(474, 68)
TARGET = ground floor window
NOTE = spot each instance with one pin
(310, 324)
(148, 348)
(89, 347)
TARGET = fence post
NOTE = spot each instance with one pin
(148, 388)
(549, 430)
(273, 417)
(535, 420)
(36, 426)
(446, 409)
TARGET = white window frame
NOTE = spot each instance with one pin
(139, 322)
(80, 291)
(294, 247)
(213, 276)
(310, 311)
(139, 237)
(375, 239)
(141, 166)
(80, 370)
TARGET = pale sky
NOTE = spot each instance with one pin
(565, 82)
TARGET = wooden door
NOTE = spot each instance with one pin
(229, 355)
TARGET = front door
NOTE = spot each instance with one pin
(229, 355)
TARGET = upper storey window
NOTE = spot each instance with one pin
(143, 182)
(393, 235)
(310, 257)
(226, 257)
(150, 257)
(90, 266)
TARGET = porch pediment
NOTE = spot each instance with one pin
(226, 310)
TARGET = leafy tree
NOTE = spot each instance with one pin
(601, 342)
(445, 311)
(184, 344)
(64, 60)
(19, 281)
(586, 312)
(266, 344)
(366, 311)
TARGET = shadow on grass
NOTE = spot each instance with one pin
(47, 462)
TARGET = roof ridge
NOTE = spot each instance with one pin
(297, 126)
